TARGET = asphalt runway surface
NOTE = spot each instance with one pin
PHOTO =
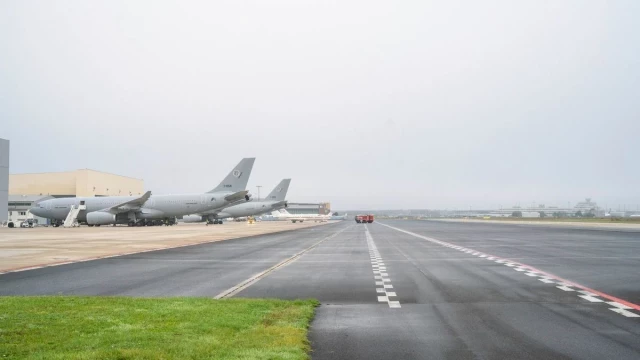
(405, 289)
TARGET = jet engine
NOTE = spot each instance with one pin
(193, 218)
(100, 218)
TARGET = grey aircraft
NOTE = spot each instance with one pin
(148, 209)
(274, 201)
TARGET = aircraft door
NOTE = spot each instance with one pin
(203, 201)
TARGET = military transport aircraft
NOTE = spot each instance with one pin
(273, 201)
(147, 209)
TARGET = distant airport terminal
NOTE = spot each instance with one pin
(586, 208)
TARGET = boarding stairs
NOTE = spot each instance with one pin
(72, 217)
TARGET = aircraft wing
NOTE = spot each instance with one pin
(129, 205)
(237, 196)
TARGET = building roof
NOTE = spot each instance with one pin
(72, 171)
(31, 198)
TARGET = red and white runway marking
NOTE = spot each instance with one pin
(615, 304)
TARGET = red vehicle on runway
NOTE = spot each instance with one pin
(363, 219)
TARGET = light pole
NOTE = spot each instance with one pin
(258, 186)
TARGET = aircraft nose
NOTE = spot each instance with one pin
(35, 210)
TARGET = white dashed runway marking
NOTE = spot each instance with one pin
(619, 306)
(381, 277)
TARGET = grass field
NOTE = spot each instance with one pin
(61, 327)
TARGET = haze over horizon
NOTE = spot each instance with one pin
(365, 104)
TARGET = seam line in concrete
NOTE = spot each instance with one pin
(255, 278)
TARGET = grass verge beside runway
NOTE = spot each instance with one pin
(63, 327)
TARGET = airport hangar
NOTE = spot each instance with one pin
(309, 208)
(4, 179)
(27, 189)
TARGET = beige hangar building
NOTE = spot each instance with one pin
(83, 182)
(27, 189)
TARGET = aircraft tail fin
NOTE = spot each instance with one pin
(238, 177)
(279, 192)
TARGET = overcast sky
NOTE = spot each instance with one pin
(367, 104)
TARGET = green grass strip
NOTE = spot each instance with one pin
(78, 327)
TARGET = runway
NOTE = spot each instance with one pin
(405, 289)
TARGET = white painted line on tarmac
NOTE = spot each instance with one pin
(381, 277)
(565, 288)
(590, 298)
(252, 280)
(625, 313)
(618, 305)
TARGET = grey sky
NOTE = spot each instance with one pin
(367, 104)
